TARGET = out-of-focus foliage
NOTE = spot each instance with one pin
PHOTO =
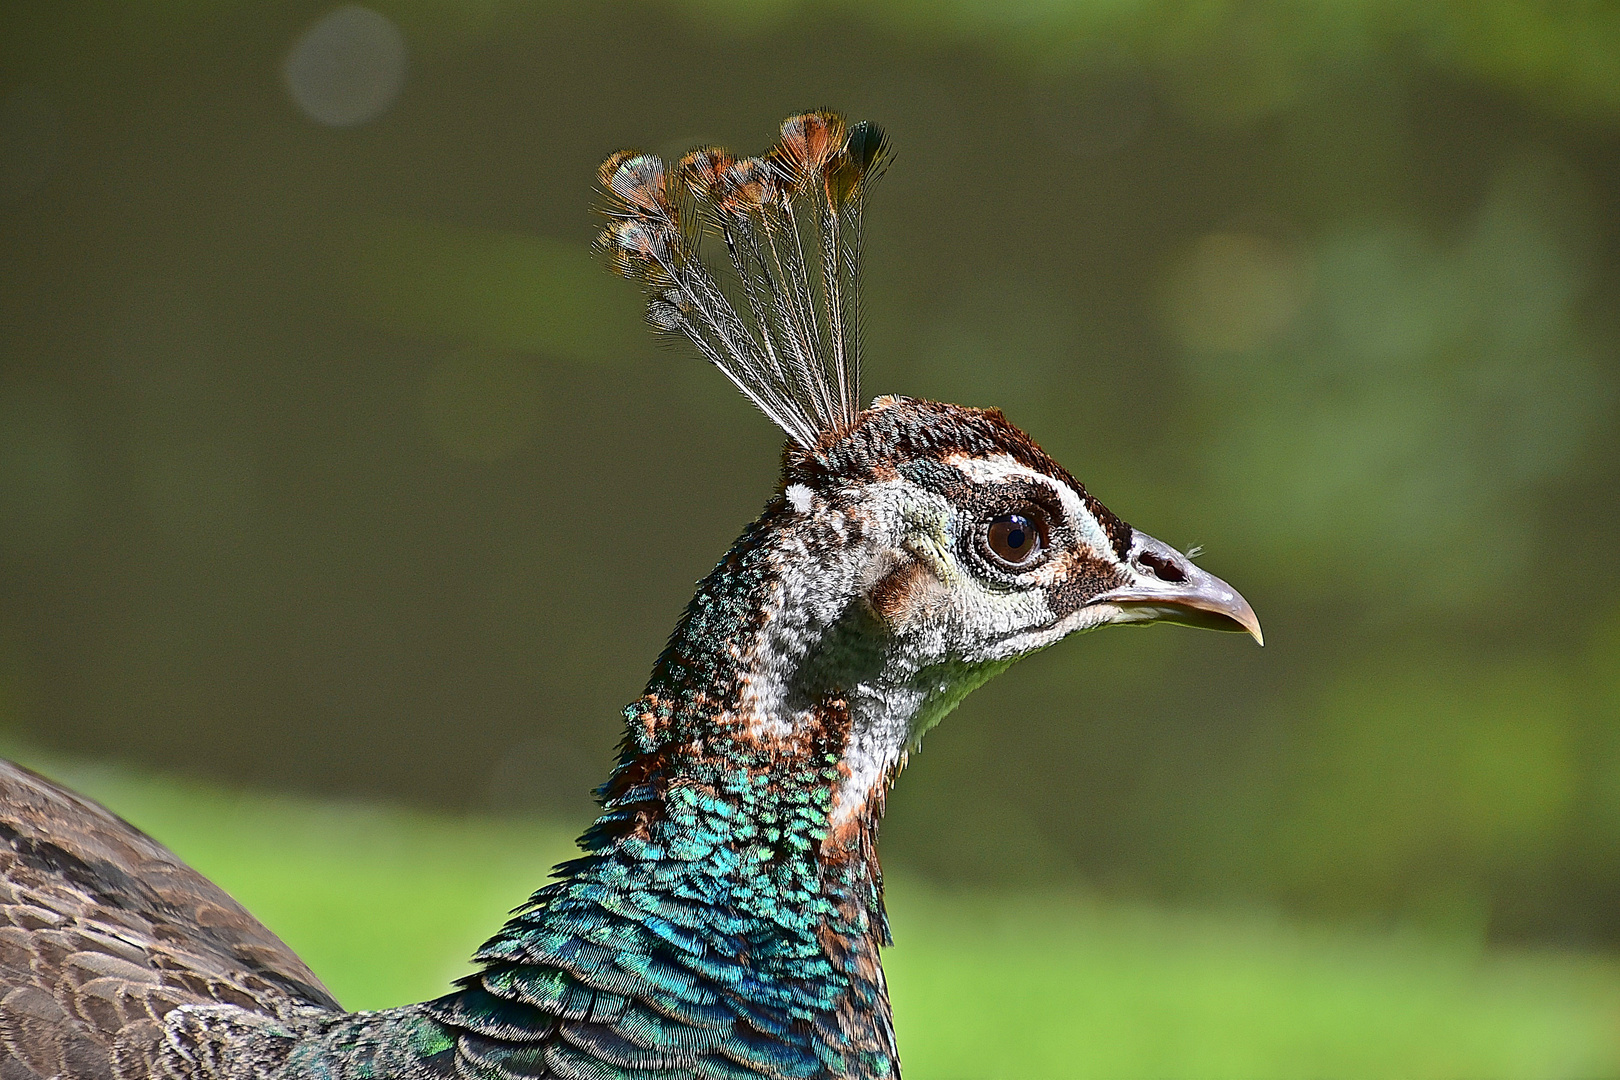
(1422, 779)
(1235, 60)
(329, 461)
(1426, 392)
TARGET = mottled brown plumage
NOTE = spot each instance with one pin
(103, 931)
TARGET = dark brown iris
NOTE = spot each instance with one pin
(1014, 538)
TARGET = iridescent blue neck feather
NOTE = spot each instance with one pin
(713, 926)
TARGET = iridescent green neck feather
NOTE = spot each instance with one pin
(714, 925)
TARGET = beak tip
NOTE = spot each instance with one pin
(1195, 597)
(1245, 617)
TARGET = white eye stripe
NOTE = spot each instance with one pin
(1003, 467)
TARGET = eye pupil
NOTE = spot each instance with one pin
(1013, 538)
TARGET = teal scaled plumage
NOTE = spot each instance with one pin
(693, 936)
(710, 930)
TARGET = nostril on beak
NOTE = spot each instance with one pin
(1161, 566)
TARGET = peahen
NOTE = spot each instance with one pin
(725, 919)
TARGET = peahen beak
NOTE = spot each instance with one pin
(1170, 587)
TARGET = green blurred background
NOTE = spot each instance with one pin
(331, 467)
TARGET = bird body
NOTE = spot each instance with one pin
(725, 918)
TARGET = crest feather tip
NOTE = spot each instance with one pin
(791, 223)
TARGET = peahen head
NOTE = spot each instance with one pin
(926, 549)
(915, 549)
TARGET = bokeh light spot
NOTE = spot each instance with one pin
(482, 406)
(1233, 291)
(348, 67)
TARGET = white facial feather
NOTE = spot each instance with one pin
(1003, 467)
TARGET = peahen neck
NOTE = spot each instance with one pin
(729, 902)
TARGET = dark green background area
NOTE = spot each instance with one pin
(330, 462)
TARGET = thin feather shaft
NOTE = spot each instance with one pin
(792, 344)
(832, 277)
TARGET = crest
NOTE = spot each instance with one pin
(781, 315)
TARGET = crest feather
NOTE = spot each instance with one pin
(791, 221)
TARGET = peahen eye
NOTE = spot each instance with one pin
(1014, 538)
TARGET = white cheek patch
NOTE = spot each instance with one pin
(1002, 467)
(809, 594)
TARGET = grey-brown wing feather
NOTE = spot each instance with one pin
(103, 931)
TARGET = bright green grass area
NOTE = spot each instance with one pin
(385, 905)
